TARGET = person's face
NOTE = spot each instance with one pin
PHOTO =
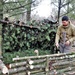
(65, 23)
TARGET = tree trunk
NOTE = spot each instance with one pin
(59, 9)
(29, 10)
(1, 9)
(1, 17)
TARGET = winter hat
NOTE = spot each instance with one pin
(65, 18)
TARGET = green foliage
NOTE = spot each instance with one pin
(7, 57)
(19, 38)
(22, 41)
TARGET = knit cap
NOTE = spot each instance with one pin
(65, 18)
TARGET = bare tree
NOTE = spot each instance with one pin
(64, 7)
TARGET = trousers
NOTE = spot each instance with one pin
(65, 48)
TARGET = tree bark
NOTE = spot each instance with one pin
(59, 9)
(1, 17)
(28, 16)
(3, 68)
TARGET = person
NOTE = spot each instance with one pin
(65, 35)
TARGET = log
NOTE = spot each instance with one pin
(70, 73)
(18, 64)
(34, 67)
(37, 72)
(42, 56)
(61, 71)
(8, 22)
(17, 70)
(63, 63)
(3, 68)
(36, 61)
(63, 57)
